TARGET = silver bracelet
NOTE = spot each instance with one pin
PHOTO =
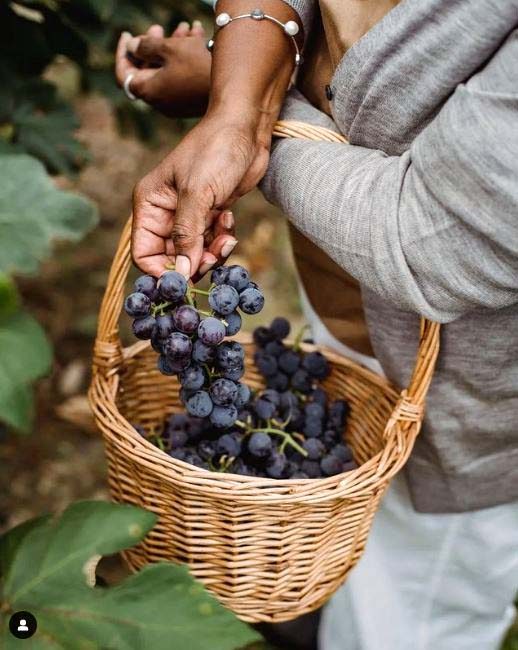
(290, 28)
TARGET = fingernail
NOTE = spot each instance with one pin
(184, 23)
(183, 265)
(196, 23)
(127, 34)
(228, 247)
(133, 44)
(228, 220)
(205, 267)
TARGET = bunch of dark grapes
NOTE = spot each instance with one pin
(190, 342)
(291, 429)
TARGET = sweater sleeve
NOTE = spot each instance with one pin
(435, 230)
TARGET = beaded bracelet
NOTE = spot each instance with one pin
(290, 28)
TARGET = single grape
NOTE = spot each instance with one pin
(144, 328)
(265, 363)
(349, 466)
(251, 301)
(177, 347)
(279, 381)
(296, 419)
(194, 459)
(211, 331)
(275, 348)
(223, 392)
(193, 378)
(243, 395)
(223, 416)
(280, 328)
(264, 409)
(224, 299)
(237, 277)
(331, 465)
(177, 439)
(172, 286)
(207, 449)
(179, 454)
(314, 410)
(313, 427)
(230, 354)
(289, 362)
(164, 366)
(271, 396)
(157, 343)
(199, 404)
(315, 448)
(229, 444)
(319, 396)
(219, 275)
(288, 400)
(262, 336)
(164, 325)
(146, 284)
(234, 374)
(316, 365)
(301, 381)
(337, 414)
(137, 305)
(260, 445)
(342, 452)
(202, 353)
(240, 467)
(311, 468)
(299, 474)
(276, 465)
(330, 438)
(177, 422)
(233, 323)
(186, 319)
(252, 285)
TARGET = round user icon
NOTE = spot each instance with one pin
(22, 625)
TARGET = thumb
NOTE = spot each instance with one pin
(188, 233)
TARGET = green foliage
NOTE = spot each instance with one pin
(47, 567)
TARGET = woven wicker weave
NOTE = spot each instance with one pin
(270, 550)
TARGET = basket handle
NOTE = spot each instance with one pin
(108, 347)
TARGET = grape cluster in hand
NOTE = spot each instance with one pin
(190, 342)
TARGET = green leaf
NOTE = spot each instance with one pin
(161, 607)
(8, 296)
(33, 213)
(26, 355)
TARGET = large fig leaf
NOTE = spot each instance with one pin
(33, 213)
(25, 355)
(162, 607)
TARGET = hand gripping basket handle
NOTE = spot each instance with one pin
(108, 349)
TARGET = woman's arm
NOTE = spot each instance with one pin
(435, 230)
(226, 154)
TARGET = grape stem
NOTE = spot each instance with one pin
(160, 308)
(288, 439)
(200, 291)
(299, 337)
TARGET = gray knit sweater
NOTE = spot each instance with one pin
(422, 208)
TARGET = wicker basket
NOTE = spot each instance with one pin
(270, 550)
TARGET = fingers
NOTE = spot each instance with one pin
(156, 31)
(182, 29)
(148, 49)
(123, 66)
(188, 232)
(197, 29)
(142, 82)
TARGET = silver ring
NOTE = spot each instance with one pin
(127, 89)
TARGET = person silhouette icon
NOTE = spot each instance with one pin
(22, 627)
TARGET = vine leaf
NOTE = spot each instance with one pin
(161, 607)
(33, 213)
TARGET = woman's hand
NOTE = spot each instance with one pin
(171, 74)
(177, 206)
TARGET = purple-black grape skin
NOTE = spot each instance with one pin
(337, 413)
(144, 328)
(264, 409)
(207, 449)
(211, 331)
(315, 448)
(262, 335)
(342, 452)
(164, 325)
(157, 343)
(164, 366)
(234, 373)
(319, 396)
(331, 465)
(311, 468)
(238, 277)
(177, 347)
(272, 396)
(177, 438)
(224, 299)
(223, 392)
(349, 466)
(199, 404)
(251, 301)
(280, 328)
(202, 353)
(172, 286)
(316, 365)
(223, 416)
(313, 427)
(193, 378)
(279, 381)
(186, 319)
(219, 275)
(228, 445)
(243, 395)
(260, 445)
(266, 364)
(137, 305)
(146, 284)
(301, 381)
(330, 438)
(299, 474)
(314, 410)
(233, 323)
(240, 467)
(275, 348)
(289, 362)
(276, 465)
(230, 354)
(289, 400)
(179, 454)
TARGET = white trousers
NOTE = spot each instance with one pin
(425, 581)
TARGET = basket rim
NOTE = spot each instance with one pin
(346, 485)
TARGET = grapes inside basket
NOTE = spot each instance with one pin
(290, 429)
